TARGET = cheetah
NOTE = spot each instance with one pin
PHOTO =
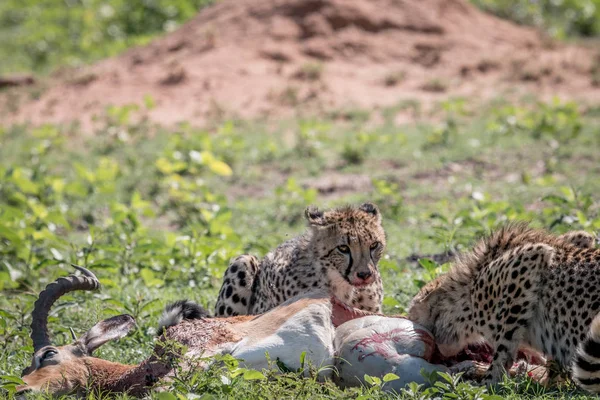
(520, 287)
(339, 252)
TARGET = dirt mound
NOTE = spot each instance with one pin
(254, 58)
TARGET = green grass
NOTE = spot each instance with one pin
(42, 35)
(157, 213)
(562, 19)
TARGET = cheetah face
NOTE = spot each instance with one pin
(420, 308)
(356, 262)
(442, 312)
(348, 242)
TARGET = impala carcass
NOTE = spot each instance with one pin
(331, 334)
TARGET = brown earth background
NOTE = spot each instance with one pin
(278, 58)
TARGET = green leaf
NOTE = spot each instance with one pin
(107, 282)
(13, 273)
(581, 218)
(568, 192)
(419, 283)
(390, 377)
(39, 210)
(302, 359)
(252, 375)
(428, 265)
(58, 185)
(149, 102)
(107, 170)
(390, 301)
(165, 396)
(24, 183)
(558, 200)
(116, 303)
(447, 377)
(220, 168)
(76, 189)
(10, 235)
(4, 279)
(149, 278)
(84, 173)
(12, 379)
(167, 167)
(372, 380)
(104, 263)
(229, 361)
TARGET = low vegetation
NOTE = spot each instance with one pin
(157, 213)
(43, 35)
(563, 18)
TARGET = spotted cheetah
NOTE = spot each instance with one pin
(520, 287)
(339, 252)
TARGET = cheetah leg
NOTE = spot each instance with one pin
(234, 296)
(580, 239)
(510, 304)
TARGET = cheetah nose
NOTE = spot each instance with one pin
(364, 275)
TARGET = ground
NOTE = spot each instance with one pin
(157, 210)
(282, 58)
(157, 216)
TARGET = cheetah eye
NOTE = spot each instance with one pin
(375, 245)
(343, 249)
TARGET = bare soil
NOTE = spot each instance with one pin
(276, 58)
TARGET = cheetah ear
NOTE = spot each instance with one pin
(314, 216)
(371, 209)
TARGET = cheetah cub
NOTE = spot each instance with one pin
(520, 287)
(339, 252)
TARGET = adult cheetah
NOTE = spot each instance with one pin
(339, 252)
(520, 287)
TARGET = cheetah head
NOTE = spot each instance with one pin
(443, 307)
(348, 241)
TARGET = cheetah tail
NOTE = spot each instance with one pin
(176, 312)
(586, 366)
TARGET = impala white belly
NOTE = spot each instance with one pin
(377, 345)
(310, 330)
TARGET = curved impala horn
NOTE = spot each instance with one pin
(61, 286)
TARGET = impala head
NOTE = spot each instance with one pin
(66, 369)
